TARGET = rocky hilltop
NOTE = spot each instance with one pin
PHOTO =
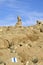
(23, 42)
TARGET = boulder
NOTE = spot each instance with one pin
(3, 43)
(41, 28)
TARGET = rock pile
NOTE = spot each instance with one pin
(19, 23)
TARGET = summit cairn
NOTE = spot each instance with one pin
(19, 23)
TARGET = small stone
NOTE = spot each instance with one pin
(34, 59)
(27, 63)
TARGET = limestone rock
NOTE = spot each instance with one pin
(34, 60)
(19, 23)
(41, 28)
(38, 22)
(3, 43)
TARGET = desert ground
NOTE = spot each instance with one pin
(23, 42)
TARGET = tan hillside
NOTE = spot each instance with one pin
(23, 42)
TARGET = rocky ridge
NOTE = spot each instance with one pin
(25, 43)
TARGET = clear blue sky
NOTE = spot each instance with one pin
(29, 10)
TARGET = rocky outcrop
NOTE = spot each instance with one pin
(3, 43)
(19, 23)
(24, 43)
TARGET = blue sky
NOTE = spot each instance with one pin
(29, 10)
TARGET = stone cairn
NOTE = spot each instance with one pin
(19, 23)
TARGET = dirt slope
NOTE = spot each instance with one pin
(24, 43)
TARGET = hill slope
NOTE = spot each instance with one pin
(24, 43)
